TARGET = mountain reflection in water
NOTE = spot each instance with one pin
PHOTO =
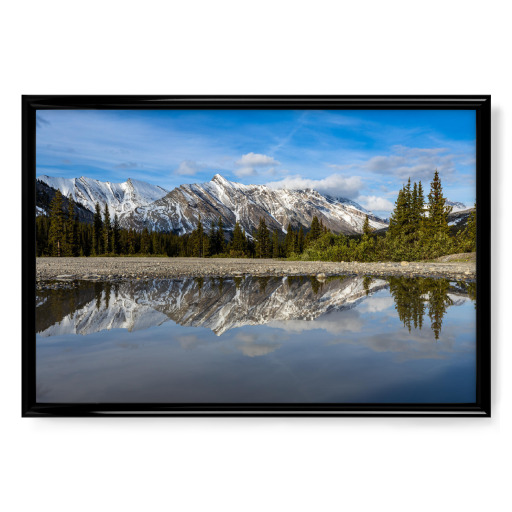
(345, 339)
(225, 303)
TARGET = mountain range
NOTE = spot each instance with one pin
(215, 304)
(141, 205)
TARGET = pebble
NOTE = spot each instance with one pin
(148, 268)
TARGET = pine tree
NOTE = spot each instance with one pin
(145, 241)
(107, 231)
(262, 240)
(221, 242)
(116, 235)
(239, 243)
(97, 232)
(301, 240)
(289, 240)
(56, 232)
(466, 239)
(316, 230)
(71, 248)
(206, 246)
(367, 230)
(437, 229)
(275, 245)
(196, 240)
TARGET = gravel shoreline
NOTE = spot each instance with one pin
(120, 268)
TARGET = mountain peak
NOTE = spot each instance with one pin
(218, 178)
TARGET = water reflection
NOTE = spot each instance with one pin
(266, 340)
(221, 304)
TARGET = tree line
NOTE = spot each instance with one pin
(417, 230)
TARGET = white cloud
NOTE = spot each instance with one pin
(252, 345)
(374, 203)
(416, 163)
(377, 304)
(188, 168)
(333, 185)
(243, 172)
(256, 160)
(248, 163)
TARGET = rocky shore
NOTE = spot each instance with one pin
(117, 269)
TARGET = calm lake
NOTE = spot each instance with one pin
(258, 340)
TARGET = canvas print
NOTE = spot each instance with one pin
(256, 256)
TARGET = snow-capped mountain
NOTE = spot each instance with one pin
(179, 210)
(140, 205)
(215, 304)
(212, 304)
(457, 206)
(121, 198)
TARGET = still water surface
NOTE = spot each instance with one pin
(258, 340)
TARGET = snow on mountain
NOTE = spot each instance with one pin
(218, 305)
(121, 198)
(213, 305)
(179, 211)
(457, 206)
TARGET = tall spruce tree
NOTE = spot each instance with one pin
(116, 228)
(315, 230)
(107, 231)
(275, 245)
(367, 230)
(437, 209)
(289, 240)
(220, 242)
(437, 229)
(301, 240)
(239, 242)
(71, 248)
(97, 231)
(56, 240)
(262, 240)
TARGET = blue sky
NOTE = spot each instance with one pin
(363, 155)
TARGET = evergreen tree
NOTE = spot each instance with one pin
(116, 239)
(97, 231)
(145, 242)
(315, 230)
(437, 231)
(289, 240)
(301, 240)
(71, 248)
(107, 231)
(206, 246)
(275, 245)
(213, 240)
(366, 227)
(56, 239)
(262, 240)
(196, 240)
(466, 239)
(239, 242)
(221, 242)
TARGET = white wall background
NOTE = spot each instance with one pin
(216, 47)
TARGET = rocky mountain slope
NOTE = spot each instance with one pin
(216, 304)
(121, 198)
(140, 205)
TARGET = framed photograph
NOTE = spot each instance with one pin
(197, 255)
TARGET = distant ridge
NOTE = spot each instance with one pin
(140, 205)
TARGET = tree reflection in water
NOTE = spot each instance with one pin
(221, 304)
(414, 296)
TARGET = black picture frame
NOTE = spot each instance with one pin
(481, 104)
